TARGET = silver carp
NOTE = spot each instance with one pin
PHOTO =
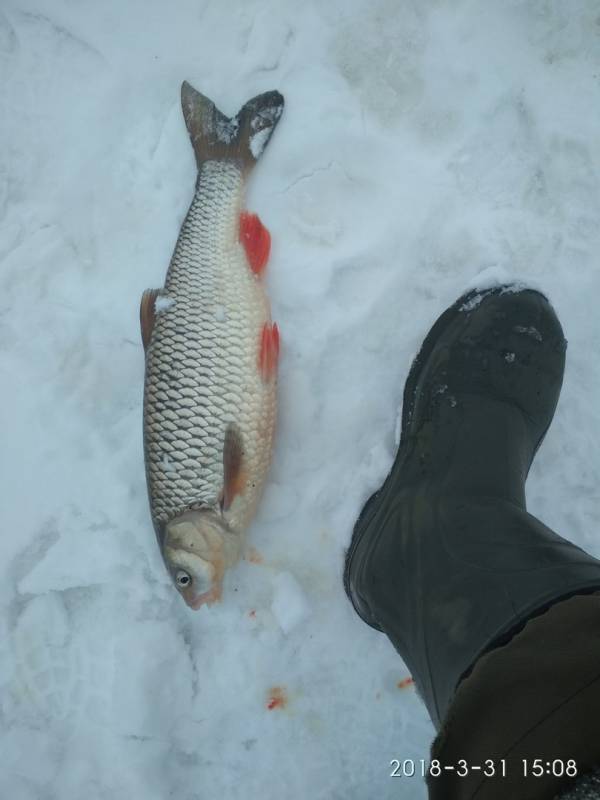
(211, 357)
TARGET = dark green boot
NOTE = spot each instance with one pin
(444, 557)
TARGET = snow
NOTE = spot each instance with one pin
(227, 129)
(529, 330)
(398, 426)
(262, 125)
(220, 314)
(163, 303)
(258, 141)
(425, 149)
(289, 605)
(469, 305)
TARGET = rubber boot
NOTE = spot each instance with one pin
(444, 558)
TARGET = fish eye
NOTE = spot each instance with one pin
(182, 578)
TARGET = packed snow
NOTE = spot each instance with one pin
(426, 148)
(289, 606)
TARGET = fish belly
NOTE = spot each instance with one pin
(202, 372)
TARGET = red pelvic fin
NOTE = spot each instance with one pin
(256, 240)
(268, 354)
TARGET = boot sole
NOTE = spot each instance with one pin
(368, 510)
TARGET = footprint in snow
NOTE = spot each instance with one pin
(57, 676)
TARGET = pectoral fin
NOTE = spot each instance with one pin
(147, 315)
(234, 471)
(256, 241)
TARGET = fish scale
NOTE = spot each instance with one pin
(201, 366)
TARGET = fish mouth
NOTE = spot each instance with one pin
(196, 601)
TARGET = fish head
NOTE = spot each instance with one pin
(197, 549)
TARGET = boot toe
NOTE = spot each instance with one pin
(514, 349)
(504, 344)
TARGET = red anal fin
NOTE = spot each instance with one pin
(256, 240)
(268, 354)
(147, 315)
(234, 472)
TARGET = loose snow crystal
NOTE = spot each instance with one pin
(473, 302)
(530, 330)
(163, 303)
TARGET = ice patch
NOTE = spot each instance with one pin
(163, 303)
(289, 606)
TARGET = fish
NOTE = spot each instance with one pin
(211, 356)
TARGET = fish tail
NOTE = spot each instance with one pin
(241, 138)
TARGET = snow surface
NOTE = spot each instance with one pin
(290, 606)
(426, 148)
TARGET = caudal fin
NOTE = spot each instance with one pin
(241, 138)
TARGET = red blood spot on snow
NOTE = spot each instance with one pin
(256, 240)
(404, 683)
(277, 698)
